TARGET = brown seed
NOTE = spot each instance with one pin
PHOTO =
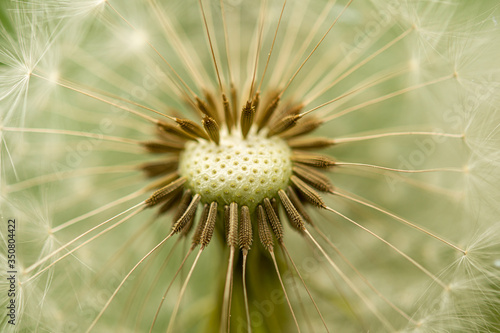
(245, 229)
(201, 225)
(163, 181)
(292, 195)
(308, 192)
(310, 143)
(161, 147)
(185, 231)
(265, 235)
(273, 220)
(205, 109)
(232, 235)
(171, 129)
(187, 196)
(281, 113)
(284, 124)
(226, 222)
(256, 101)
(291, 212)
(170, 203)
(192, 128)
(153, 169)
(314, 160)
(211, 103)
(274, 203)
(304, 127)
(234, 103)
(228, 116)
(188, 103)
(208, 231)
(164, 193)
(294, 109)
(313, 178)
(263, 101)
(164, 136)
(187, 215)
(183, 206)
(212, 129)
(247, 115)
(268, 112)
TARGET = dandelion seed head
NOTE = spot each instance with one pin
(237, 170)
(401, 55)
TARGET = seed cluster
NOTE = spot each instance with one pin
(241, 167)
(238, 170)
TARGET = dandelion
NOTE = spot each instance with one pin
(269, 166)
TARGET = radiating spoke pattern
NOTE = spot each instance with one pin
(250, 166)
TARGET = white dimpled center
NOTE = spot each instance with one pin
(238, 170)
